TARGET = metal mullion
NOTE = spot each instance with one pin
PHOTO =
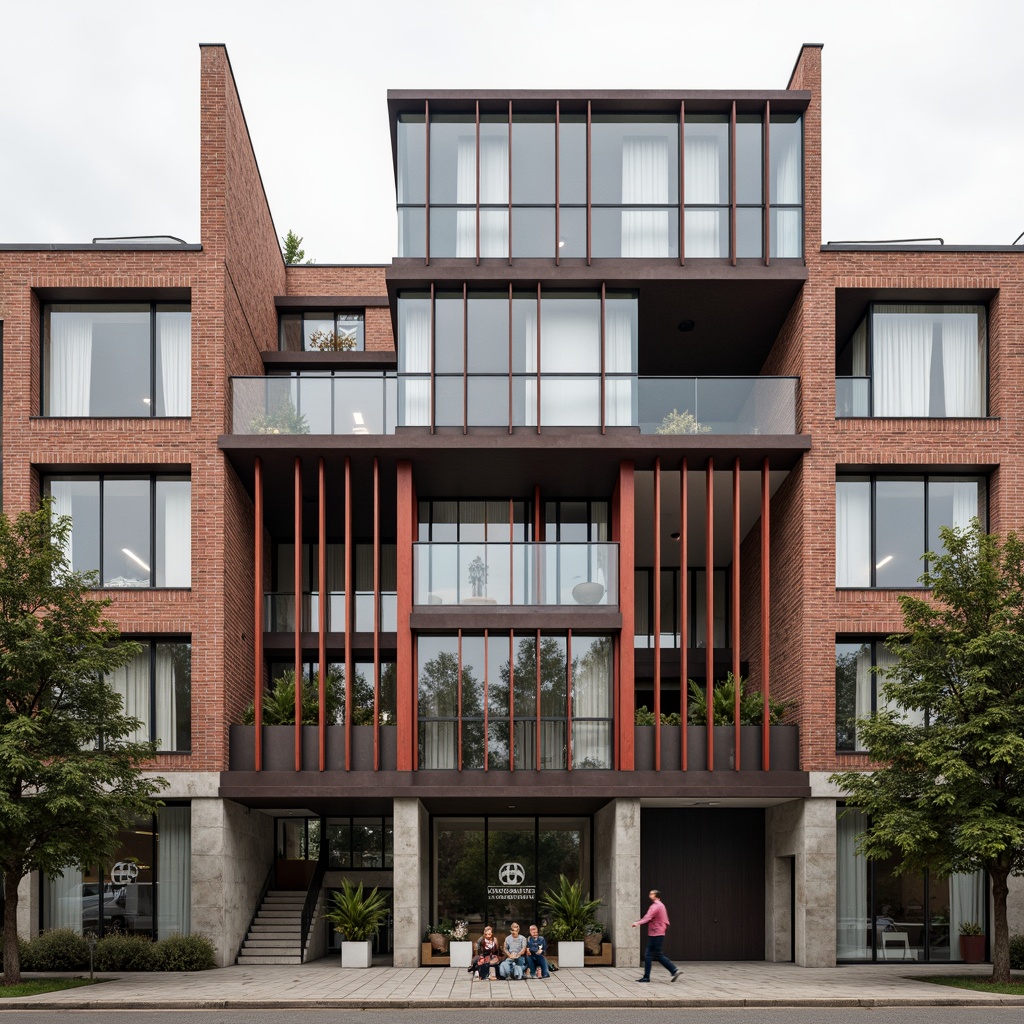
(765, 611)
(604, 297)
(349, 612)
(538, 356)
(709, 605)
(732, 184)
(487, 664)
(376, 613)
(322, 610)
(465, 357)
(258, 609)
(872, 555)
(684, 608)
(426, 196)
(568, 697)
(558, 193)
(152, 691)
(478, 183)
(510, 367)
(297, 570)
(736, 605)
(682, 193)
(766, 183)
(510, 183)
(656, 515)
(537, 723)
(511, 714)
(589, 199)
(433, 373)
(152, 531)
(152, 359)
(458, 719)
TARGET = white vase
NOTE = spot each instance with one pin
(460, 953)
(356, 954)
(570, 954)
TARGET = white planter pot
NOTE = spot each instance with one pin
(461, 953)
(356, 954)
(570, 954)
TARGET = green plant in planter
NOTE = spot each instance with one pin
(572, 916)
(724, 704)
(332, 341)
(971, 928)
(279, 702)
(684, 422)
(644, 717)
(284, 419)
(357, 916)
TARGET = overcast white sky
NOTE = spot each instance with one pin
(99, 102)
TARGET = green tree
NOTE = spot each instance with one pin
(948, 795)
(70, 779)
(291, 248)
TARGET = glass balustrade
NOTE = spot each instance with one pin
(853, 397)
(279, 612)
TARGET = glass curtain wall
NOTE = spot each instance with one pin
(882, 915)
(494, 870)
(498, 701)
(480, 352)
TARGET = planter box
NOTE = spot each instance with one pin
(603, 959)
(356, 954)
(460, 953)
(972, 949)
(428, 959)
(784, 740)
(279, 748)
(570, 954)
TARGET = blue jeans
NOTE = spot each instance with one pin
(653, 952)
(513, 967)
(537, 962)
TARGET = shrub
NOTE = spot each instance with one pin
(1017, 952)
(59, 950)
(125, 953)
(185, 953)
(25, 955)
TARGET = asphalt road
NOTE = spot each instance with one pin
(609, 1015)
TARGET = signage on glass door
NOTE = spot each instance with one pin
(511, 876)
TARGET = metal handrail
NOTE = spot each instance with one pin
(312, 897)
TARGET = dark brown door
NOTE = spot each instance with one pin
(709, 866)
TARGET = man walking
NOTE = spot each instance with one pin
(656, 920)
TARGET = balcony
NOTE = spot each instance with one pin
(516, 574)
(368, 403)
(279, 612)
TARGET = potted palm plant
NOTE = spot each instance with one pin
(358, 918)
(572, 920)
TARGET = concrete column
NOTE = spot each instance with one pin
(412, 879)
(1015, 905)
(800, 844)
(232, 851)
(28, 906)
(617, 875)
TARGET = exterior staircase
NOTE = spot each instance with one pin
(274, 937)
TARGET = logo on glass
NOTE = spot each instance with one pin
(511, 873)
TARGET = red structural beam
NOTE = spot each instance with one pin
(405, 667)
(257, 674)
(684, 608)
(624, 713)
(322, 612)
(297, 567)
(349, 613)
(736, 606)
(765, 611)
(709, 605)
(656, 527)
(376, 614)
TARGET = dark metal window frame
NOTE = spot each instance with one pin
(335, 312)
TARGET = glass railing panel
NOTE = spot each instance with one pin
(666, 405)
(279, 612)
(853, 396)
(509, 574)
(717, 405)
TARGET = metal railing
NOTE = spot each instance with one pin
(279, 612)
(310, 903)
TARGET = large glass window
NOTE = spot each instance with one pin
(861, 667)
(913, 359)
(117, 359)
(144, 888)
(671, 607)
(134, 531)
(498, 700)
(883, 914)
(156, 688)
(884, 524)
(323, 331)
(494, 870)
(360, 844)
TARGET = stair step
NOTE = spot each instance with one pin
(255, 960)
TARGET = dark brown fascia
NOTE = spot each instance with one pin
(301, 302)
(316, 361)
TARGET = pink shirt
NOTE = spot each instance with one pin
(656, 919)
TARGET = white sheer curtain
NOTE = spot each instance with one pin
(645, 170)
(61, 493)
(620, 357)
(131, 681)
(438, 744)
(465, 195)
(786, 239)
(591, 698)
(414, 357)
(902, 352)
(174, 340)
(965, 503)
(702, 177)
(63, 900)
(885, 660)
(70, 363)
(529, 384)
(963, 362)
(165, 704)
(852, 919)
(176, 497)
(966, 903)
(853, 533)
(862, 695)
(859, 346)
(493, 192)
(174, 871)
(570, 344)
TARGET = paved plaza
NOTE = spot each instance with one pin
(324, 984)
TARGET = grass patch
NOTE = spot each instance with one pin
(37, 986)
(977, 984)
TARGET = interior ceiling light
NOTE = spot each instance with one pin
(884, 561)
(686, 326)
(135, 558)
(674, 536)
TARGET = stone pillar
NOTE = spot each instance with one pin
(232, 851)
(800, 848)
(412, 879)
(1015, 905)
(617, 875)
(28, 906)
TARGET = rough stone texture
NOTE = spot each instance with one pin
(806, 831)
(412, 861)
(28, 906)
(617, 875)
(232, 851)
(1015, 906)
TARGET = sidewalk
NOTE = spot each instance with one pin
(324, 984)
